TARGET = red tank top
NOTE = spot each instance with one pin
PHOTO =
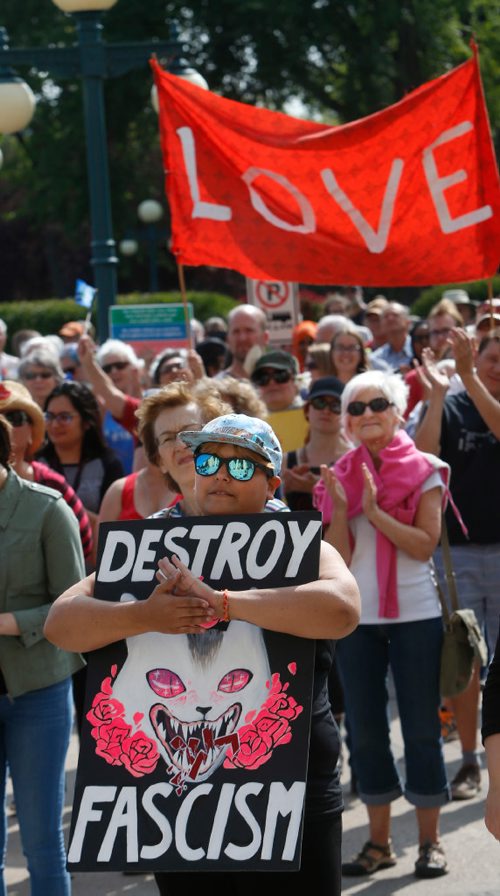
(129, 511)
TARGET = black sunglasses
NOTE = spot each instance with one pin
(322, 401)
(264, 377)
(41, 375)
(118, 365)
(240, 468)
(17, 417)
(377, 405)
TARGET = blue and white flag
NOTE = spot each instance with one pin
(84, 294)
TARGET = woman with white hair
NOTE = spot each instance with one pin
(381, 503)
(40, 371)
(119, 360)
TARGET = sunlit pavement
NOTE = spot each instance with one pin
(473, 855)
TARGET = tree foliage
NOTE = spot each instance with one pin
(341, 61)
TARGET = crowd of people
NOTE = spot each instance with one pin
(395, 429)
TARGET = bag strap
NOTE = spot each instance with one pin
(448, 566)
(442, 600)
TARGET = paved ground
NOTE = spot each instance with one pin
(473, 855)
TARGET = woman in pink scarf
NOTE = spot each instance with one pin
(381, 505)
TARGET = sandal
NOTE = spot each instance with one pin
(431, 860)
(371, 858)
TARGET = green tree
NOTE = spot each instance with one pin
(341, 60)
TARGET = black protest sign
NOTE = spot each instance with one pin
(194, 747)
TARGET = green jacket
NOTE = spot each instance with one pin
(40, 557)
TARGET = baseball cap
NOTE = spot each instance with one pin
(16, 397)
(325, 385)
(279, 359)
(239, 429)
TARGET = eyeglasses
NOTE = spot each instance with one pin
(376, 405)
(42, 375)
(115, 365)
(348, 349)
(434, 334)
(240, 468)
(421, 337)
(264, 377)
(62, 417)
(321, 402)
(17, 417)
(167, 438)
(311, 365)
(71, 370)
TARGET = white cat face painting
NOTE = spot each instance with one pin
(194, 692)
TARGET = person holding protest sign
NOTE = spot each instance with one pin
(41, 553)
(237, 461)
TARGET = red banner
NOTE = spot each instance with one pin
(407, 196)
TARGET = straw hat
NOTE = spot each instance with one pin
(15, 397)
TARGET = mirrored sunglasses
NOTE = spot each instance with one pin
(240, 468)
(323, 401)
(376, 405)
(264, 377)
(16, 417)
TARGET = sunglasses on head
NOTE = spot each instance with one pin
(264, 377)
(376, 405)
(115, 365)
(42, 375)
(322, 401)
(240, 468)
(17, 417)
(62, 417)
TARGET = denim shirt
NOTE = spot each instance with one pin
(41, 556)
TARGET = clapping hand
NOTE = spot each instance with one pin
(463, 351)
(369, 500)
(430, 375)
(334, 488)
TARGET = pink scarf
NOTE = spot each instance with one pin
(403, 471)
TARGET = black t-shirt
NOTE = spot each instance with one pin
(473, 453)
(491, 697)
(323, 790)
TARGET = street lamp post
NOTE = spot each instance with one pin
(149, 211)
(93, 60)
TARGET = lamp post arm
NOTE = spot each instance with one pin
(112, 60)
(127, 56)
(60, 61)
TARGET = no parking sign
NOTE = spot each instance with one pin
(280, 302)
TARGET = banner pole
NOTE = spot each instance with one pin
(490, 300)
(182, 284)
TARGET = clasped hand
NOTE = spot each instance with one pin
(180, 603)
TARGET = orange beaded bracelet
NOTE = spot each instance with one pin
(225, 606)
